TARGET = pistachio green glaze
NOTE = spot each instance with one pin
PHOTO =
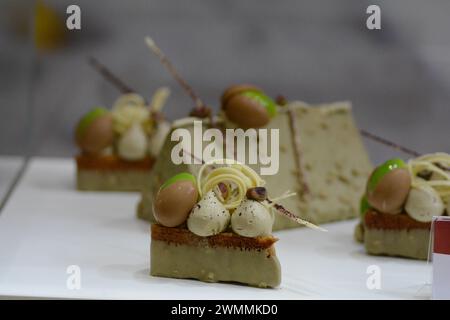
(87, 119)
(264, 100)
(364, 205)
(183, 176)
(383, 169)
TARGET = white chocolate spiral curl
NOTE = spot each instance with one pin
(231, 182)
(128, 109)
(159, 99)
(437, 168)
(235, 177)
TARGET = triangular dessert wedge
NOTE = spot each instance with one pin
(325, 154)
(322, 159)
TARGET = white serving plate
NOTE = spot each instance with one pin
(47, 226)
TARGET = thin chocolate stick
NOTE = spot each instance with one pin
(193, 156)
(165, 61)
(119, 84)
(108, 75)
(285, 212)
(389, 143)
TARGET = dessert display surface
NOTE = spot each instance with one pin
(47, 226)
(9, 168)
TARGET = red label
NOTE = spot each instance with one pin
(441, 237)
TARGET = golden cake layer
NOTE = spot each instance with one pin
(111, 173)
(112, 162)
(182, 235)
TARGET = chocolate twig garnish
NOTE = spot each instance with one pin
(301, 171)
(108, 75)
(281, 100)
(193, 156)
(158, 100)
(388, 143)
(293, 217)
(201, 110)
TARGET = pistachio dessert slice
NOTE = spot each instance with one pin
(228, 232)
(402, 199)
(118, 146)
(321, 153)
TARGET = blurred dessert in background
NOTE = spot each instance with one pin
(119, 146)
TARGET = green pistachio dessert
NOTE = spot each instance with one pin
(118, 146)
(217, 230)
(400, 202)
(321, 156)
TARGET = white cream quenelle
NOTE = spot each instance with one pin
(252, 219)
(423, 203)
(208, 217)
(132, 145)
